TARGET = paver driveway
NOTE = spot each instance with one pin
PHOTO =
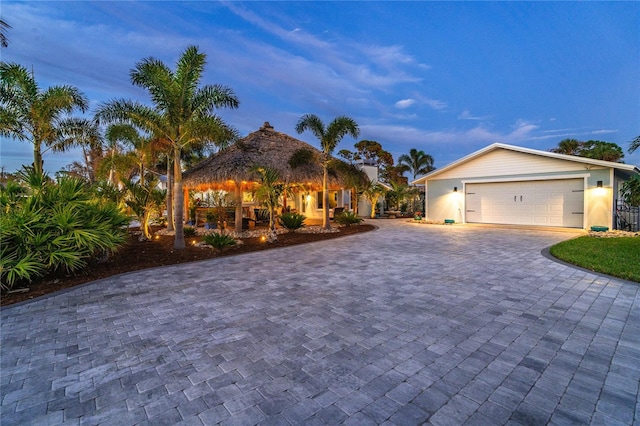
(404, 325)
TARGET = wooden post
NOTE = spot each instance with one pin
(238, 194)
(185, 212)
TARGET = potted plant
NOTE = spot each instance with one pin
(212, 218)
(192, 214)
(417, 216)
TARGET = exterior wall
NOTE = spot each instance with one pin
(504, 162)
(599, 201)
(364, 206)
(442, 202)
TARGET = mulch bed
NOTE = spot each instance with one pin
(137, 255)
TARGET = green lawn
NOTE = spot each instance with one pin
(619, 257)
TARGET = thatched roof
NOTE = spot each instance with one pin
(264, 147)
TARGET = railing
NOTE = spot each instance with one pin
(627, 217)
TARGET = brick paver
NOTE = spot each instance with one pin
(409, 324)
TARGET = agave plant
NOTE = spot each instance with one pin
(219, 240)
(291, 221)
(348, 219)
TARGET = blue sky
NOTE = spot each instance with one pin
(447, 78)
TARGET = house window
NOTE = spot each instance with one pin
(333, 199)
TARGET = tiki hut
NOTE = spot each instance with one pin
(297, 163)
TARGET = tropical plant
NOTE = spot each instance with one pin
(630, 190)
(189, 231)
(597, 150)
(372, 193)
(183, 113)
(144, 199)
(30, 114)
(568, 147)
(353, 177)
(291, 221)
(47, 227)
(329, 136)
(417, 162)
(212, 217)
(219, 240)
(269, 193)
(398, 194)
(348, 218)
(600, 150)
(4, 40)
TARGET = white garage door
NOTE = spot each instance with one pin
(545, 203)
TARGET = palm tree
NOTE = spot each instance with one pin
(372, 193)
(329, 137)
(268, 193)
(4, 41)
(635, 144)
(568, 147)
(183, 113)
(417, 162)
(27, 113)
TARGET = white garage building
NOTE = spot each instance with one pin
(505, 184)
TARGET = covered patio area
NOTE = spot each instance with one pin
(231, 174)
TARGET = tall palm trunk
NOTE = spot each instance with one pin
(37, 159)
(178, 195)
(326, 224)
(169, 196)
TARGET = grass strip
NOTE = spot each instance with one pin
(618, 257)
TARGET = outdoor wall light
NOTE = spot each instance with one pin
(455, 189)
(599, 184)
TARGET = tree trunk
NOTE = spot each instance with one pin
(325, 198)
(169, 196)
(178, 242)
(238, 197)
(374, 203)
(38, 164)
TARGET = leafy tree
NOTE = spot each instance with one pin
(597, 150)
(635, 144)
(183, 113)
(418, 162)
(30, 114)
(329, 136)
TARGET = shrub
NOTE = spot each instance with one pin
(189, 231)
(291, 221)
(348, 219)
(219, 240)
(47, 227)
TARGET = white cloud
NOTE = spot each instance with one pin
(603, 132)
(405, 103)
(466, 115)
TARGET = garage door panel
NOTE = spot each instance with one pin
(546, 203)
